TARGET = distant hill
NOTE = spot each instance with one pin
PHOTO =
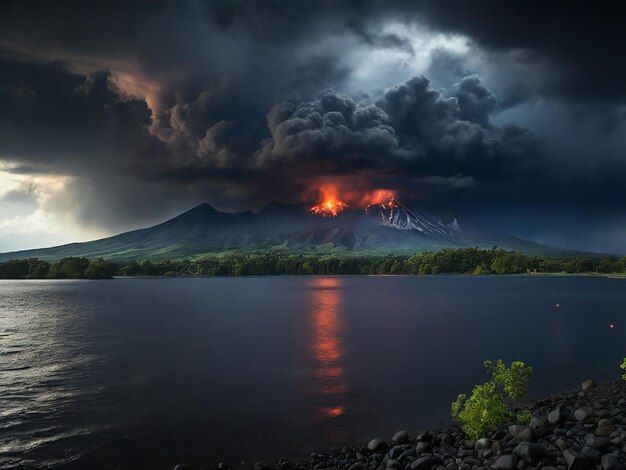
(388, 227)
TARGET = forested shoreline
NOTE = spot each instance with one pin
(449, 261)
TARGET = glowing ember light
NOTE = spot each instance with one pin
(611, 325)
(379, 196)
(558, 305)
(331, 205)
(334, 411)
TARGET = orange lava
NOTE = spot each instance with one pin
(333, 200)
(330, 205)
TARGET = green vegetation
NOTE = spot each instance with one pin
(66, 268)
(486, 409)
(280, 262)
(623, 367)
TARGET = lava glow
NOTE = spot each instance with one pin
(330, 205)
(327, 347)
(378, 197)
(333, 201)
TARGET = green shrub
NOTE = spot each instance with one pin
(484, 412)
(523, 416)
(513, 381)
(623, 366)
(486, 409)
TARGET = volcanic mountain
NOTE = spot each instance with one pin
(389, 226)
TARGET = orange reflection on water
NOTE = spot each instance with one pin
(327, 347)
(333, 411)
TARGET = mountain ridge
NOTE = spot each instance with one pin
(389, 226)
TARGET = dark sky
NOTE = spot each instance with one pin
(115, 115)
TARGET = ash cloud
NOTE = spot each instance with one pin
(412, 132)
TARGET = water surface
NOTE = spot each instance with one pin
(146, 373)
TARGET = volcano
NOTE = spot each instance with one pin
(388, 226)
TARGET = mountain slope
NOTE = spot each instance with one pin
(389, 226)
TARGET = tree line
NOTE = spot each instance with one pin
(448, 261)
(66, 268)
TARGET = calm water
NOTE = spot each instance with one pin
(146, 373)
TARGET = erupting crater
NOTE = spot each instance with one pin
(331, 203)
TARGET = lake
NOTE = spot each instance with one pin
(147, 373)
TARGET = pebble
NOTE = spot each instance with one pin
(376, 444)
(401, 437)
(587, 384)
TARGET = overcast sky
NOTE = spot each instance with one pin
(117, 115)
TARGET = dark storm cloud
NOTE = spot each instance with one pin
(42, 106)
(574, 48)
(412, 133)
(235, 101)
(577, 44)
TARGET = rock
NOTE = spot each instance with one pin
(395, 452)
(536, 422)
(472, 461)
(605, 428)
(598, 442)
(425, 463)
(407, 453)
(424, 437)
(576, 461)
(611, 462)
(591, 453)
(505, 462)
(538, 426)
(182, 466)
(452, 466)
(376, 444)
(392, 463)
(483, 443)
(584, 413)
(422, 447)
(529, 452)
(521, 432)
(562, 444)
(468, 443)
(555, 417)
(496, 447)
(401, 437)
(448, 451)
(587, 384)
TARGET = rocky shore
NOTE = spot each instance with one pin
(579, 430)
